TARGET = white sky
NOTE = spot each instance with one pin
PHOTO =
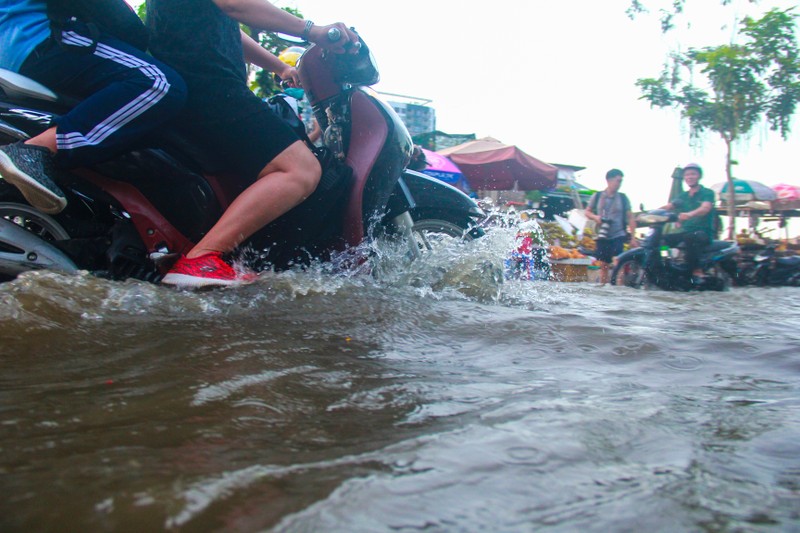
(557, 79)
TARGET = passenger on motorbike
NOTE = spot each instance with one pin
(695, 219)
(292, 93)
(201, 39)
(124, 94)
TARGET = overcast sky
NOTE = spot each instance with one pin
(557, 79)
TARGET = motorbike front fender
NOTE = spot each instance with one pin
(638, 254)
(423, 193)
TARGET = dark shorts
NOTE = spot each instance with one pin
(607, 249)
(245, 144)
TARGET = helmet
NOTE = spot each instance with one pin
(694, 166)
(291, 55)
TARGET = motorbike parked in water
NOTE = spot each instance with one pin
(767, 268)
(653, 265)
(132, 216)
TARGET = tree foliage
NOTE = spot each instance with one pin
(745, 83)
(667, 15)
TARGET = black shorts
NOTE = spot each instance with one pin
(244, 144)
(607, 249)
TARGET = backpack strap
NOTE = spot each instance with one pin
(594, 201)
(626, 208)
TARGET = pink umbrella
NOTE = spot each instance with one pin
(441, 168)
(786, 192)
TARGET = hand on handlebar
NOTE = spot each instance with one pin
(337, 38)
(289, 77)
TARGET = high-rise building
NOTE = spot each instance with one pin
(413, 111)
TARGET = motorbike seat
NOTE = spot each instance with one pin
(182, 148)
(18, 86)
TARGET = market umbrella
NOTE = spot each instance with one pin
(745, 191)
(441, 168)
(491, 165)
(788, 196)
(786, 192)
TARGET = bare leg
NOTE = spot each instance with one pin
(285, 182)
(46, 139)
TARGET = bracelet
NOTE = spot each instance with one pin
(307, 30)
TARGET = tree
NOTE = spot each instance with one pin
(745, 85)
(668, 15)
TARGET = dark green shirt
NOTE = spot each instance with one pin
(686, 202)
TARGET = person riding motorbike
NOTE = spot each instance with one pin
(293, 94)
(278, 171)
(695, 219)
(124, 93)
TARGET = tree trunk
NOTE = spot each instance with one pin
(731, 200)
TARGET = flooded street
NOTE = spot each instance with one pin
(429, 399)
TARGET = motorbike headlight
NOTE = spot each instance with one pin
(653, 218)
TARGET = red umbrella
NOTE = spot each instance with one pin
(491, 165)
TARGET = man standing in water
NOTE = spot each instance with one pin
(611, 212)
(695, 219)
(275, 170)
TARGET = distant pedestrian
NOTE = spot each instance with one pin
(611, 212)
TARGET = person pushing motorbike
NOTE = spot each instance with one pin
(695, 218)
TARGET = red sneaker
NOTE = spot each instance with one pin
(208, 270)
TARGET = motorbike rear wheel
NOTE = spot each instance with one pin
(630, 272)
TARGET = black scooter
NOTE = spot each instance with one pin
(653, 264)
(769, 269)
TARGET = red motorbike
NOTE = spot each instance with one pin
(130, 217)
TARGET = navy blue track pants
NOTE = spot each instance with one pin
(124, 93)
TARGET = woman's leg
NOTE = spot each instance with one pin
(284, 183)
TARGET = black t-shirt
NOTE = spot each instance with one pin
(204, 45)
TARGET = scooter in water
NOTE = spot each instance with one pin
(131, 217)
(769, 269)
(653, 265)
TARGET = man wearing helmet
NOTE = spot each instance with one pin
(695, 218)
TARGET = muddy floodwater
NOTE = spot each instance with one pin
(431, 397)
